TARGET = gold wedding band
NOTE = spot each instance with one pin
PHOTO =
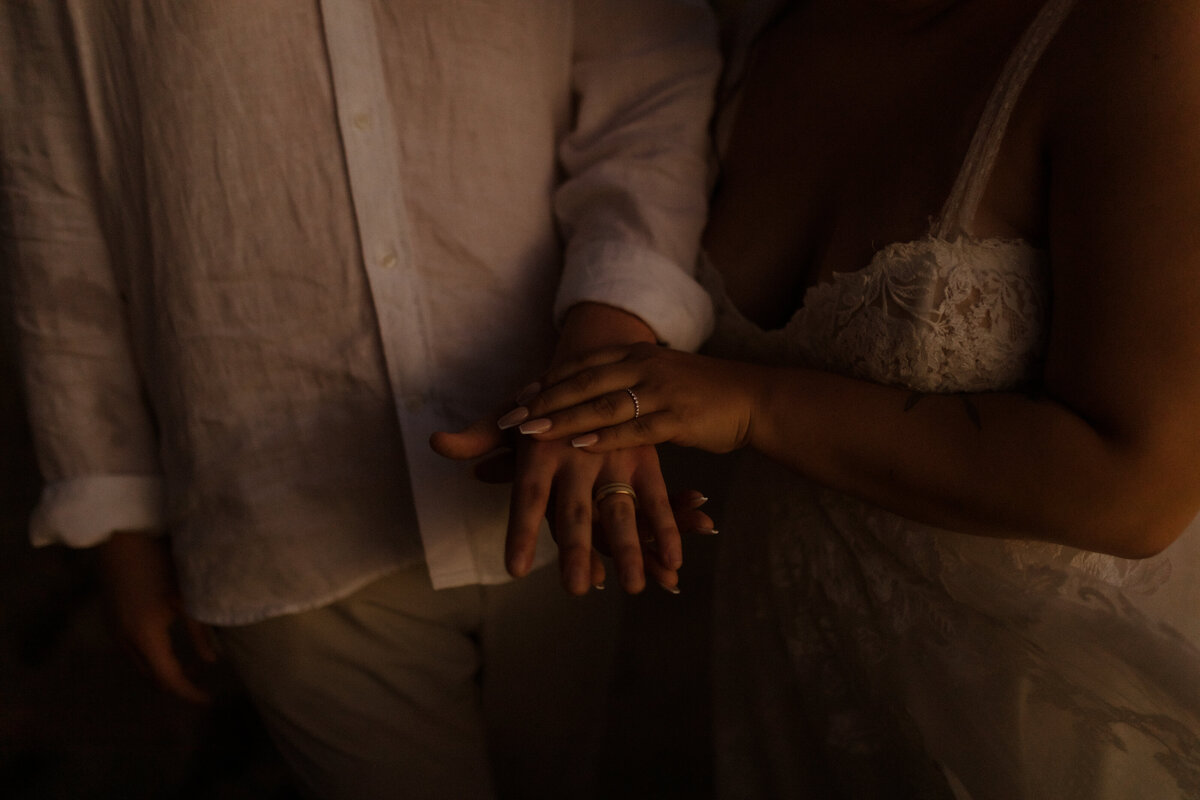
(637, 407)
(609, 489)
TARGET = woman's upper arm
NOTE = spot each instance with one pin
(1124, 156)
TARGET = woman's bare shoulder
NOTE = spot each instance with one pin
(1118, 55)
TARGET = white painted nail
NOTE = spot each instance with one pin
(535, 426)
(513, 418)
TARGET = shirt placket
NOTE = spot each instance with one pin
(371, 147)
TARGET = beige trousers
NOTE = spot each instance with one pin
(399, 691)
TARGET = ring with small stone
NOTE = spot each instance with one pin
(637, 407)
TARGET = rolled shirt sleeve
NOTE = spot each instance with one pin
(94, 437)
(634, 199)
(85, 511)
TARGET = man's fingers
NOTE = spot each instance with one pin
(551, 482)
(477, 439)
(155, 649)
(573, 529)
(527, 508)
(618, 525)
(201, 638)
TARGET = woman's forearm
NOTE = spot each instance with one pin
(998, 464)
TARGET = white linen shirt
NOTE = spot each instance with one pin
(259, 251)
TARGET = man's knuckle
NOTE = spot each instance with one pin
(576, 513)
(529, 492)
(618, 510)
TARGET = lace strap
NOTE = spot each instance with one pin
(973, 178)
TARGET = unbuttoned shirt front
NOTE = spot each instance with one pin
(259, 251)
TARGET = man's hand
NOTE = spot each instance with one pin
(557, 481)
(560, 482)
(146, 610)
(611, 522)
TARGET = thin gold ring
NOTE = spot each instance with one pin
(637, 407)
(610, 489)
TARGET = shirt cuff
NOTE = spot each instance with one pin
(641, 282)
(83, 512)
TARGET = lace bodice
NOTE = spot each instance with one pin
(932, 315)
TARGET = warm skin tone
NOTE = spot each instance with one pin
(1099, 166)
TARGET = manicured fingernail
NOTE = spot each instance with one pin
(512, 418)
(587, 440)
(705, 531)
(535, 426)
(598, 586)
(699, 501)
(528, 393)
(670, 589)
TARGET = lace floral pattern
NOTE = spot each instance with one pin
(932, 315)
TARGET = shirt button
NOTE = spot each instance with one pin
(388, 259)
(362, 120)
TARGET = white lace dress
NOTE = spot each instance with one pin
(862, 655)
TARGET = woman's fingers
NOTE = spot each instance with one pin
(657, 516)
(596, 358)
(652, 429)
(689, 518)
(586, 380)
(601, 411)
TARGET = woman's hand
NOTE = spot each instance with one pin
(645, 394)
